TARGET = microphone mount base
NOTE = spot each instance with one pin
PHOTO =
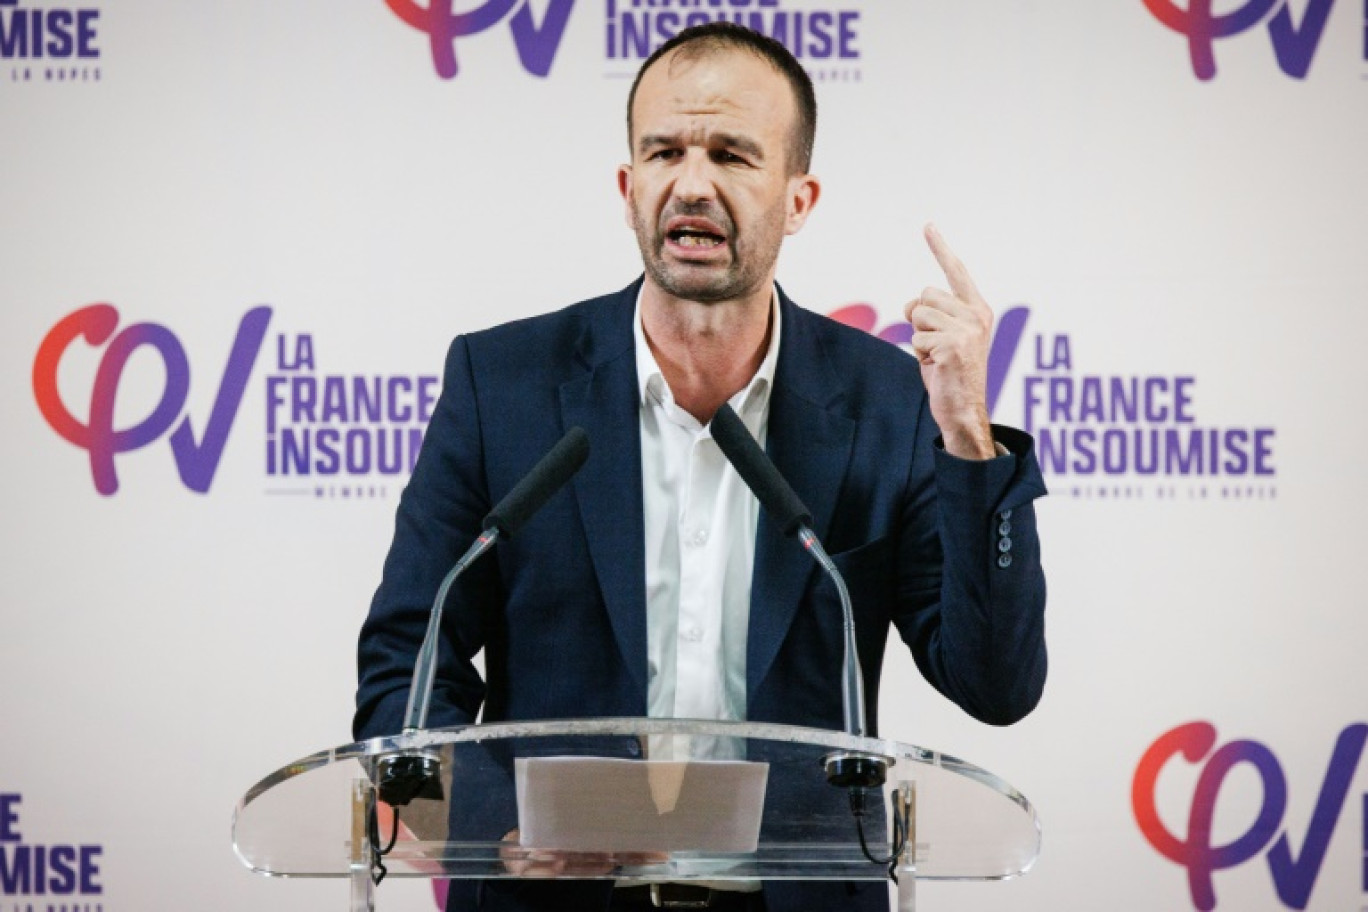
(408, 776)
(850, 769)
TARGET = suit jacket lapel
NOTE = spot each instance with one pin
(810, 441)
(608, 488)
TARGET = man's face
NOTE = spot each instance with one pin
(709, 193)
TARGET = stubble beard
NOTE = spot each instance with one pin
(708, 284)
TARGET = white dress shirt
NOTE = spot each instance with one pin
(700, 523)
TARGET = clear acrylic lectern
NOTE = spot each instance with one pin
(321, 816)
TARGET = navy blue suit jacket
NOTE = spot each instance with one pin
(560, 609)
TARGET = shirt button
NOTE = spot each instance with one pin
(693, 634)
(700, 538)
(1004, 545)
(1004, 561)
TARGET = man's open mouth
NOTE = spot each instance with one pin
(695, 237)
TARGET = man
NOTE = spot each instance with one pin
(653, 586)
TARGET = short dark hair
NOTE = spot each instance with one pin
(713, 36)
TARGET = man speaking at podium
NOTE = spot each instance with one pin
(652, 585)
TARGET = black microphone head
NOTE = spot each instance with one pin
(758, 472)
(536, 487)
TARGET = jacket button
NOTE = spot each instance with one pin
(1005, 515)
(1004, 561)
(1004, 545)
(1005, 528)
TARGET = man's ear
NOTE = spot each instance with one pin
(624, 178)
(803, 191)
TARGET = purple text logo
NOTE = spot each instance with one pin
(40, 869)
(48, 33)
(338, 427)
(196, 459)
(535, 41)
(825, 39)
(1137, 425)
(1106, 428)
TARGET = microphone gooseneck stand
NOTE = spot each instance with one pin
(417, 773)
(857, 771)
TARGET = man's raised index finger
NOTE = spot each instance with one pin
(961, 283)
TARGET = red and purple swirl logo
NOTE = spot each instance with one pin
(1006, 338)
(1294, 873)
(197, 458)
(536, 42)
(1294, 44)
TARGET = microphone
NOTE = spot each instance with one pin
(758, 472)
(416, 775)
(849, 769)
(537, 486)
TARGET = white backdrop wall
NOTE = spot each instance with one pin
(164, 647)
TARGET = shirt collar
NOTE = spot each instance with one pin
(651, 385)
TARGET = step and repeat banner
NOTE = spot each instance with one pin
(236, 238)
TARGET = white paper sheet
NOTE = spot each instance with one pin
(597, 804)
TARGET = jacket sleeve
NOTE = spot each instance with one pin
(971, 589)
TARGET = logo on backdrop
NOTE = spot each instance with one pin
(332, 435)
(1294, 43)
(196, 460)
(1294, 875)
(1122, 436)
(536, 42)
(326, 435)
(1011, 325)
(58, 871)
(825, 39)
(49, 43)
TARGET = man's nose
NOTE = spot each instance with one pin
(694, 180)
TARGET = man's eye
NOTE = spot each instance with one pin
(663, 155)
(724, 156)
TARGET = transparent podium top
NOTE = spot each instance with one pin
(302, 820)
